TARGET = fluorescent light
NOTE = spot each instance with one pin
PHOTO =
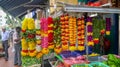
(90, 9)
(93, 15)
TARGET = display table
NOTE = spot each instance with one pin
(80, 59)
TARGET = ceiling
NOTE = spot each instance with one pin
(16, 7)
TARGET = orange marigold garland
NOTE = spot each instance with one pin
(72, 33)
(64, 31)
(81, 34)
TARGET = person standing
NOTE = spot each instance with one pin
(17, 46)
(5, 37)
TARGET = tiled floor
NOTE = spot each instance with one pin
(10, 61)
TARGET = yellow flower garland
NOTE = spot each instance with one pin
(24, 24)
(24, 44)
(31, 24)
(28, 24)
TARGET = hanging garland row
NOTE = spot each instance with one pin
(61, 34)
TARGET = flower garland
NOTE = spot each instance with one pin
(72, 33)
(102, 26)
(81, 34)
(24, 44)
(44, 36)
(38, 34)
(98, 28)
(57, 38)
(64, 31)
(24, 51)
(50, 33)
(24, 25)
(38, 39)
(89, 32)
(31, 37)
(28, 37)
(108, 26)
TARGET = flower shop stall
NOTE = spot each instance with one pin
(71, 38)
(84, 34)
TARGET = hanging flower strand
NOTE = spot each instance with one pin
(108, 26)
(31, 37)
(24, 44)
(89, 32)
(81, 36)
(72, 33)
(50, 33)
(44, 36)
(57, 37)
(65, 31)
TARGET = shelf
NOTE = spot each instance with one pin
(90, 9)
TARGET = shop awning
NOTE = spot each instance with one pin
(16, 7)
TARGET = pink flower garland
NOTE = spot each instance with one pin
(44, 29)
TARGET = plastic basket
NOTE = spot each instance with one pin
(95, 59)
(96, 64)
(71, 54)
(81, 65)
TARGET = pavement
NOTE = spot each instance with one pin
(10, 62)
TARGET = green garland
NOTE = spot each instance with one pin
(27, 33)
(98, 25)
(57, 31)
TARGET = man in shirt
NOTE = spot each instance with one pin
(17, 46)
(5, 37)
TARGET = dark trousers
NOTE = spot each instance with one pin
(5, 48)
(17, 56)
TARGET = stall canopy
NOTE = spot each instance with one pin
(17, 7)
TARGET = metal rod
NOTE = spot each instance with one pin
(86, 42)
(42, 64)
(40, 6)
(23, 12)
(19, 5)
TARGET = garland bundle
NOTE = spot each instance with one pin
(28, 37)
